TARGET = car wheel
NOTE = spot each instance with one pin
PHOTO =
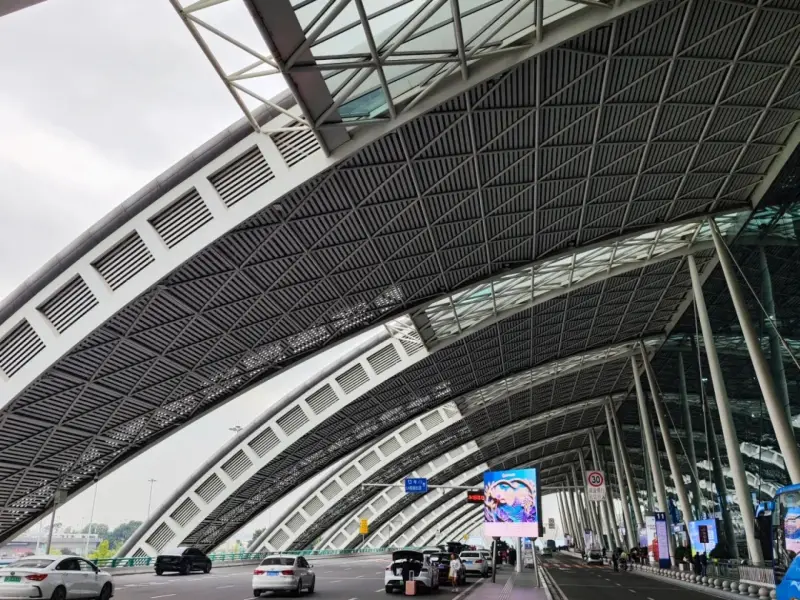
(59, 594)
(313, 585)
(256, 593)
(388, 589)
(105, 593)
(159, 572)
(207, 568)
(299, 589)
(186, 568)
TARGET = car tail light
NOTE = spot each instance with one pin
(36, 577)
(288, 572)
(258, 572)
(479, 561)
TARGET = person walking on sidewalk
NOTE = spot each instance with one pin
(455, 569)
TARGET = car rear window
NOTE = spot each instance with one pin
(277, 560)
(172, 551)
(31, 563)
(470, 554)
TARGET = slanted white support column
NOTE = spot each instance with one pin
(564, 524)
(575, 521)
(726, 418)
(672, 457)
(570, 518)
(777, 413)
(579, 500)
(621, 479)
(629, 478)
(652, 455)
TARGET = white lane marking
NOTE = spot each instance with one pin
(619, 584)
(359, 577)
(353, 598)
(337, 581)
(631, 591)
(164, 596)
(381, 590)
(222, 587)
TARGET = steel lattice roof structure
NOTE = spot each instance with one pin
(510, 204)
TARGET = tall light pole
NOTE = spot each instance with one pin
(150, 497)
(91, 518)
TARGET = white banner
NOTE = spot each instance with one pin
(596, 484)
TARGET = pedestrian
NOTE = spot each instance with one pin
(615, 560)
(697, 563)
(703, 564)
(455, 569)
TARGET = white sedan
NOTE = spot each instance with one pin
(55, 578)
(284, 573)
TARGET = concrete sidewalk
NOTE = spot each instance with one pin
(509, 586)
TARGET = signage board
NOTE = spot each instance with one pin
(363, 527)
(511, 503)
(703, 535)
(475, 497)
(703, 530)
(662, 535)
(551, 523)
(416, 485)
(596, 485)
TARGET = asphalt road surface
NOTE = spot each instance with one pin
(337, 579)
(579, 581)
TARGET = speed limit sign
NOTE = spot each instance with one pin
(596, 484)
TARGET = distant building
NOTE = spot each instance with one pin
(26, 543)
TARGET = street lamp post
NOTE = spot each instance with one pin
(91, 518)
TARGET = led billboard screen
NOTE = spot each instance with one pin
(511, 503)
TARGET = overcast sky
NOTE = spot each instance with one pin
(98, 98)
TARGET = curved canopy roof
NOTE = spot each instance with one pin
(434, 223)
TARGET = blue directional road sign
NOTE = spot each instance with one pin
(416, 486)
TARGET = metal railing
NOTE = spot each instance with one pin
(146, 561)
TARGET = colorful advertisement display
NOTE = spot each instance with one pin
(652, 540)
(511, 503)
(662, 535)
(695, 537)
(791, 530)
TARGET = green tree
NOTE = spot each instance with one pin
(122, 532)
(68, 552)
(102, 551)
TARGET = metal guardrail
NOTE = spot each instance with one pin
(146, 561)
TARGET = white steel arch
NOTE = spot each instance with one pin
(369, 463)
(408, 518)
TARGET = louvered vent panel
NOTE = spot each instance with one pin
(411, 346)
(264, 442)
(451, 410)
(296, 522)
(389, 446)
(312, 506)
(279, 539)
(384, 359)
(352, 379)
(292, 420)
(380, 502)
(18, 347)
(322, 399)
(140, 553)
(350, 475)
(331, 490)
(242, 177)
(369, 461)
(181, 218)
(367, 513)
(123, 261)
(183, 514)
(393, 493)
(237, 464)
(432, 420)
(457, 451)
(424, 470)
(294, 146)
(410, 433)
(210, 488)
(161, 536)
(68, 304)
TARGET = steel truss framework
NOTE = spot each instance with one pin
(674, 110)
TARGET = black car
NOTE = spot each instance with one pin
(182, 560)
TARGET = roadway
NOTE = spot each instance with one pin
(337, 579)
(579, 581)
